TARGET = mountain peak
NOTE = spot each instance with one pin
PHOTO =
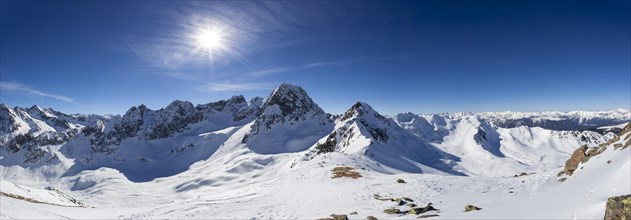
(291, 100)
(180, 104)
(36, 108)
(360, 109)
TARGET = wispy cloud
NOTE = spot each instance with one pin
(18, 87)
(181, 76)
(219, 87)
(278, 70)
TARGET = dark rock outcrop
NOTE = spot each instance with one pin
(469, 208)
(618, 207)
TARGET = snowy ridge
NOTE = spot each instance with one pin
(363, 131)
(186, 161)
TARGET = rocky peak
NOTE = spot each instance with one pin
(172, 119)
(291, 101)
(130, 122)
(8, 121)
(40, 112)
(136, 113)
(177, 104)
(289, 105)
(230, 105)
(373, 122)
(363, 110)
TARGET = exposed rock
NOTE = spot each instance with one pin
(400, 181)
(173, 119)
(521, 174)
(370, 217)
(8, 122)
(583, 153)
(339, 217)
(329, 145)
(421, 210)
(469, 208)
(627, 144)
(577, 157)
(353, 213)
(428, 216)
(400, 201)
(616, 146)
(407, 199)
(618, 207)
(411, 205)
(391, 211)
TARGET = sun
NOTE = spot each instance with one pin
(211, 39)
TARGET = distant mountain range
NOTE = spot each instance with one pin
(145, 144)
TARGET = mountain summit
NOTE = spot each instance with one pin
(290, 121)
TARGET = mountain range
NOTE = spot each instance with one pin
(238, 143)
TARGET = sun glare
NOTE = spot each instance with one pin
(211, 39)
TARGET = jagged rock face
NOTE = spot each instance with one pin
(286, 114)
(174, 118)
(8, 121)
(47, 115)
(44, 128)
(235, 106)
(293, 102)
(288, 103)
(329, 145)
(488, 138)
(370, 120)
(130, 123)
(32, 145)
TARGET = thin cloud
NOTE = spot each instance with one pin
(181, 76)
(278, 70)
(18, 87)
(271, 71)
(220, 87)
(321, 64)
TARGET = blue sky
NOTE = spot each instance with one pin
(423, 57)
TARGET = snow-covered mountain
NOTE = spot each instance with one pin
(552, 120)
(289, 122)
(265, 151)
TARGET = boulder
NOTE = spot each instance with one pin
(391, 211)
(422, 210)
(370, 217)
(577, 157)
(400, 181)
(469, 208)
(339, 217)
(618, 207)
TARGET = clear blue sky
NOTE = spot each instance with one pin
(423, 57)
